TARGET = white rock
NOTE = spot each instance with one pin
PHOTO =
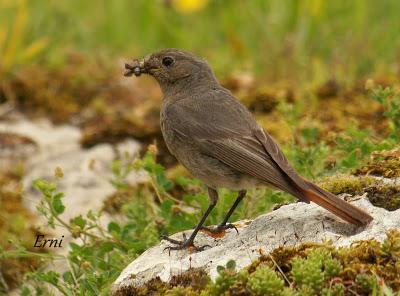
(288, 226)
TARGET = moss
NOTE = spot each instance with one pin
(329, 89)
(347, 184)
(371, 258)
(340, 108)
(261, 100)
(57, 94)
(282, 256)
(366, 283)
(380, 194)
(265, 281)
(195, 278)
(383, 163)
(153, 287)
(336, 289)
(181, 291)
(120, 121)
(313, 271)
(190, 281)
(384, 196)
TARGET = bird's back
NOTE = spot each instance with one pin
(187, 123)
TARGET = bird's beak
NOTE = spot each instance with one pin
(141, 66)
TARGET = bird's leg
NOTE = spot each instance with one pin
(223, 226)
(188, 243)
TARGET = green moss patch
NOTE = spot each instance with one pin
(384, 163)
(347, 184)
(190, 282)
(381, 195)
(385, 196)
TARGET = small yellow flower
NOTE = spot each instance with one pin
(189, 6)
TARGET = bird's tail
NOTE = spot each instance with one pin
(308, 191)
(334, 204)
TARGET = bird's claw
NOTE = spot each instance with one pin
(184, 244)
(220, 229)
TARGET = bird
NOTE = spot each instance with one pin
(217, 139)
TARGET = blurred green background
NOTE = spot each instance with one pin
(281, 39)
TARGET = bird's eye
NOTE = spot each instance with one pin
(167, 61)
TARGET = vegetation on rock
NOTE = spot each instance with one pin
(364, 268)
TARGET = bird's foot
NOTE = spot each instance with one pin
(184, 244)
(218, 231)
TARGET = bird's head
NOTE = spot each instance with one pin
(172, 68)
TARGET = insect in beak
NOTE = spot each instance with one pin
(140, 66)
(137, 67)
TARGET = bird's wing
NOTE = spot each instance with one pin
(224, 129)
(279, 158)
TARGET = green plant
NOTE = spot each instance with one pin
(313, 271)
(181, 291)
(389, 98)
(373, 285)
(227, 277)
(265, 281)
(336, 289)
(354, 146)
(102, 252)
(309, 161)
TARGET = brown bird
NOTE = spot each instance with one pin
(218, 140)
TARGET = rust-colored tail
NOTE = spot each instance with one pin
(336, 205)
